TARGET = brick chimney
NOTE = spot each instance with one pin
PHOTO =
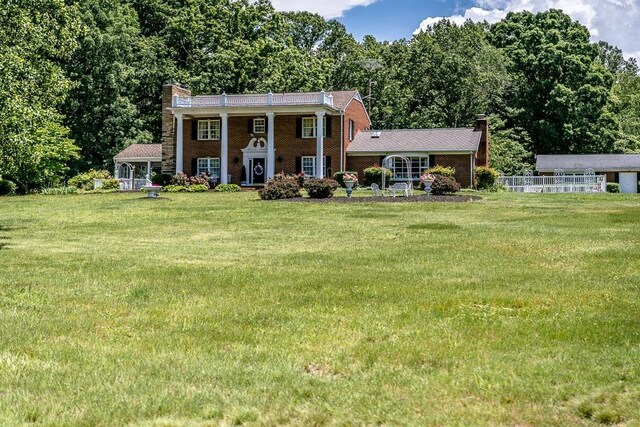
(169, 124)
(482, 125)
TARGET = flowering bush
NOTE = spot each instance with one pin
(184, 180)
(180, 179)
(280, 186)
(339, 177)
(202, 179)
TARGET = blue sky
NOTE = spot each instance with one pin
(615, 21)
(394, 19)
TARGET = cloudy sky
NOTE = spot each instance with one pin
(616, 21)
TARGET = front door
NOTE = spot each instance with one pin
(629, 182)
(258, 171)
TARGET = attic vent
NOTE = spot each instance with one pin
(376, 134)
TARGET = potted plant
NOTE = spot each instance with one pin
(349, 180)
(427, 179)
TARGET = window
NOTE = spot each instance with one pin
(259, 126)
(352, 130)
(210, 166)
(309, 127)
(208, 130)
(309, 165)
(399, 168)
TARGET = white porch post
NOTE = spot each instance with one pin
(180, 144)
(224, 150)
(115, 170)
(271, 146)
(319, 143)
(148, 170)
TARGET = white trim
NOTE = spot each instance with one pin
(271, 145)
(224, 149)
(359, 99)
(320, 129)
(180, 144)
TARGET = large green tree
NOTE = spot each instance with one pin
(561, 89)
(34, 38)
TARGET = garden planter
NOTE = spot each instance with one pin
(349, 186)
(427, 187)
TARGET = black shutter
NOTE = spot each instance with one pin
(329, 122)
(381, 160)
(194, 130)
(299, 127)
(432, 160)
(328, 170)
(298, 164)
(266, 124)
(250, 126)
(194, 167)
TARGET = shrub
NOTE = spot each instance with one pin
(161, 179)
(339, 177)
(613, 187)
(300, 178)
(444, 185)
(198, 188)
(280, 186)
(110, 184)
(59, 191)
(180, 179)
(84, 181)
(7, 188)
(442, 170)
(486, 178)
(228, 188)
(175, 189)
(202, 179)
(373, 175)
(320, 188)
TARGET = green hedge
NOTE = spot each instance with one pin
(613, 187)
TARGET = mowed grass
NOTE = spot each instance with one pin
(207, 309)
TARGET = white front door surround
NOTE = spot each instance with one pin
(258, 148)
(628, 182)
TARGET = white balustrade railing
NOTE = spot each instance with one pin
(283, 99)
(555, 184)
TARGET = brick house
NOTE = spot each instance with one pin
(246, 139)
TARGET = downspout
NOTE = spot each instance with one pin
(471, 170)
(343, 162)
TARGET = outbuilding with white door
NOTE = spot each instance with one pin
(620, 168)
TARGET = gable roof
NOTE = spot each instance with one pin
(416, 140)
(140, 151)
(581, 162)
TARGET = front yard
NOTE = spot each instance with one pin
(200, 309)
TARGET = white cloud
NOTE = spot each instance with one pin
(614, 21)
(327, 8)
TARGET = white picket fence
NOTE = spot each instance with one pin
(555, 184)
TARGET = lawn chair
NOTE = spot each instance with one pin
(375, 190)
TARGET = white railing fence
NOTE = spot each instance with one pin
(555, 184)
(271, 99)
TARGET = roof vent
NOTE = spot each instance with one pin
(376, 134)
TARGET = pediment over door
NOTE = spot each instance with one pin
(256, 145)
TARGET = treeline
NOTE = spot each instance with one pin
(80, 80)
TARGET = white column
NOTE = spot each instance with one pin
(271, 146)
(319, 143)
(224, 150)
(180, 144)
(149, 170)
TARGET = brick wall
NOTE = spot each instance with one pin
(168, 126)
(357, 112)
(462, 164)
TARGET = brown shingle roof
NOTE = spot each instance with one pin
(416, 140)
(141, 151)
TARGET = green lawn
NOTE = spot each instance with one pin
(206, 309)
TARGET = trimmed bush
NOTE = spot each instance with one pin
(320, 188)
(373, 175)
(280, 186)
(7, 188)
(228, 188)
(486, 178)
(613, 187)
(110, 184)
(161, 179)
(175, 189)
(198, 188)
(442, 170)
(339, 177)
(444, 185)
(84, 181)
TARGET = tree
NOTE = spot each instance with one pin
(34, 38)
(561, 90)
